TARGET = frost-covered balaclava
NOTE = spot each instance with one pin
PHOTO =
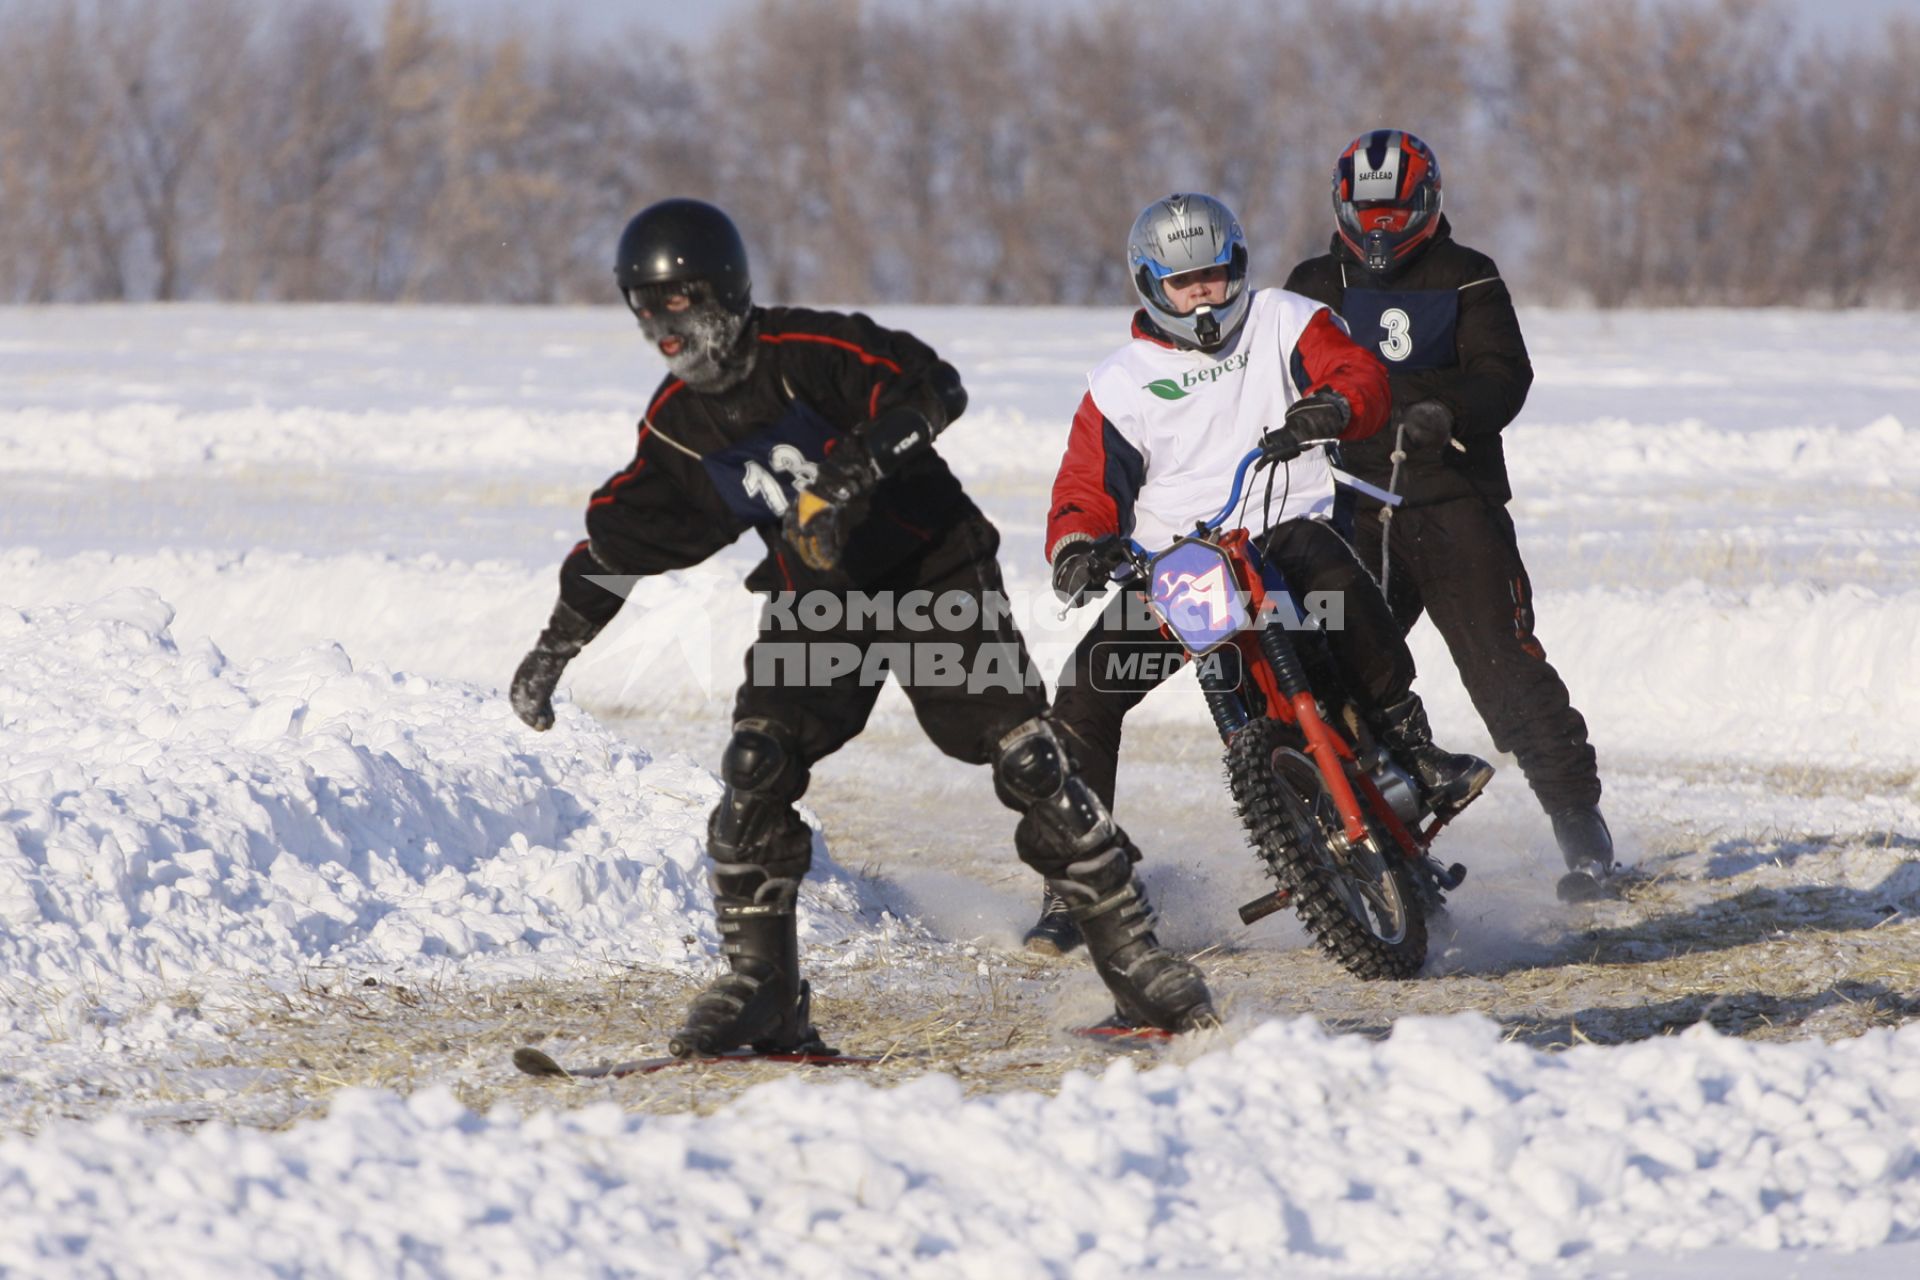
(713, 351)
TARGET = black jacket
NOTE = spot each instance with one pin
(710, 466)
(1444, 326)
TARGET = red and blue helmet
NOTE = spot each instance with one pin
(1386, 197)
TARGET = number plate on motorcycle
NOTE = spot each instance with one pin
(1194, 593)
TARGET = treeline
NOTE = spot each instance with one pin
(958, 151)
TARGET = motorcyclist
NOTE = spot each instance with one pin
(1214, 368)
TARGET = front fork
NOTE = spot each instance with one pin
(1229, 709)
(1322, 744)
(1223, 699)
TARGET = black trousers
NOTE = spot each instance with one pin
(1459, 563)
(1124, 656)
(817, 666)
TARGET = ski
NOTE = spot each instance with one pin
(533, 1062)
(1115, 1034)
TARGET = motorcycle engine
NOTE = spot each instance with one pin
(1399, 792)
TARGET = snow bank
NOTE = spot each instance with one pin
(1770, 674)
(1443, 1150)
(171, 814)
(678, 640)
(1562, 458)
(144, 440)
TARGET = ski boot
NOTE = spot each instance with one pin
(1448, 782)
(1587, 846)
(762, 1003)
(1151, 986)
(1054, 933)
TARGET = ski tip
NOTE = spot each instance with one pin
(536, 1063)
(1122, 1033)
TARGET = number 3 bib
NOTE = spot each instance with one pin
(1406, 328)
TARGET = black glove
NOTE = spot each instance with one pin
(1310, 420)
(895, 436)
(1429, 428)
(531, 694)
(1082, 570)
(825, 513)
(1076, 578)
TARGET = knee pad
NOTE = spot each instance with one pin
(1029, 765)
(1062, 820)
(755, 757)
(754, 823)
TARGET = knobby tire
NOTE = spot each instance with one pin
(1295, 850)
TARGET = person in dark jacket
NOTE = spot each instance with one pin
(1442, 321)
(815, 430)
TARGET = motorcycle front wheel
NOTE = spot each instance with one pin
(1358, 903)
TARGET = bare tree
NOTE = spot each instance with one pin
(1640, 128)
(1832, 212)
(282, 161)
(790, 152)
(1642, 151)
(169, 74)
(62, 235)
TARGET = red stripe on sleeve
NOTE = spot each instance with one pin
(1332, 359)
(1081, 503)
(639, 462)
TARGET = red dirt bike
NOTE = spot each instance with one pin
(1341, 827)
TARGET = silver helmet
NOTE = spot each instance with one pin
(1189, 233)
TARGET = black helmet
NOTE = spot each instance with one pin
(683, 242)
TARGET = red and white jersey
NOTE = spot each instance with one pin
(1157, 437)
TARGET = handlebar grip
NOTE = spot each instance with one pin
(1281, 445)
(1110, 552)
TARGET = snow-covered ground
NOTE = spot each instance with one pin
(262, 572)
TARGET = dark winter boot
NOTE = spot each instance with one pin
(762, 1003)
(1587, 846)
(1054, 933)
(1150, 985)
(1448, 782)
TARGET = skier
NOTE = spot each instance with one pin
(1213, 369)
(814, 428)
(1442, 320)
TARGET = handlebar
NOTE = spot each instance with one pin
(1247, 461)
(1117, 555)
